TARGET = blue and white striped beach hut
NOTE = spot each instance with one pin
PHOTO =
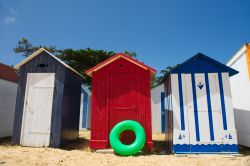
(85, 109)
(199, 110)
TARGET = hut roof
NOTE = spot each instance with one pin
(37, 53)
(238, 54)
(8, 73)
(201, 63)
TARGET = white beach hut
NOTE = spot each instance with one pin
(8, 91)
(240, 85)
(157, 109)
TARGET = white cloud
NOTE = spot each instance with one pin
(13, 11)
(11, 17)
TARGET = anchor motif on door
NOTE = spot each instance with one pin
(200, 85)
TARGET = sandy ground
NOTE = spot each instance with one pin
(78, 153)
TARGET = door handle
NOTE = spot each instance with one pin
(124, 108)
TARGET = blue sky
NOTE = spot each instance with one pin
(161, 32)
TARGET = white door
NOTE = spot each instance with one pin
(201, 129)
(207, 128)
(37, 109)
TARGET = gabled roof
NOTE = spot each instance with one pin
(238, 54)
(201, 63)
(114, 58)
(37, 53)
(8, 73)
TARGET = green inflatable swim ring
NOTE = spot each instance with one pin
(136, 146)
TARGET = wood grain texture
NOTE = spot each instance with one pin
(62, 79)
(120, 91)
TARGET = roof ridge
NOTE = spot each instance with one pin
(115, 57)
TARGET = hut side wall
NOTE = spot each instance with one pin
(100, 116)
(33, 67)
(71, 107)
(168, 113)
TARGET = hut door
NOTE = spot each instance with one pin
(122, 102)
(203, 105)
(37, 109)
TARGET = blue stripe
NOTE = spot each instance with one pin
(84, 111)
(210, 148)
(224, 117)
(181, 102)
(162, 112)
(197, 130)
(210, 116)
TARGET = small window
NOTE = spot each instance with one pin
(42, 65)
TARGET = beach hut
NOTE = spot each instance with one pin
(8, 89)
(48, 102)
(85, 109)
(158, 109)
(240, 85)
(120, 91)
(199, 110)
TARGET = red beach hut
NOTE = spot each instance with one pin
(120, 91)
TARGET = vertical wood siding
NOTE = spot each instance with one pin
(58, 97)
(102, 119)
(71, 107)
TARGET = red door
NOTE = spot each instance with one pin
(122, 102)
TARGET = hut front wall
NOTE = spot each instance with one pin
(102, 117)
(71, 107)
(240, 85)
(41, 64)
(203, 120)
(7, 107)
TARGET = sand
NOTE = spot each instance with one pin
(78, 153)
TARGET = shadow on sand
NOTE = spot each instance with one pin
(82, 144)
